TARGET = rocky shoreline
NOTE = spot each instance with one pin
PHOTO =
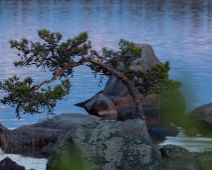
(52, 131)
(37, 140)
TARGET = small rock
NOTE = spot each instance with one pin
(8, 164)
(47, 150)
(174, 151)
(200, 119)
(101, 106)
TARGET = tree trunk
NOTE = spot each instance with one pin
(133, 90)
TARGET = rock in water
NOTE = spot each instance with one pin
(120, 104)
(173, 151)
(30, 140)
(200, 120)
(178, 158)
(106, 145)
(101, 106)
(8, 164)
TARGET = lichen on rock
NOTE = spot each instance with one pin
(105, 145)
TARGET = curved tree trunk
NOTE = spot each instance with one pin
(133, 90)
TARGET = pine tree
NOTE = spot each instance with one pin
(60, 59)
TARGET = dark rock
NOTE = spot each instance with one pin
(174, 151)
(47, 150)
(106, 145)
(8, 164)
(163, 130)
(200, 120)
(101, 106)
(30, 139)
(158, 132)
(178, 158)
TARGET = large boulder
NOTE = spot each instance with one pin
(119, 103)
(37, 140)
(116, 92)
(200, 120)
(106, 145)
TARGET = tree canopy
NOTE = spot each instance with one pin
(61, 57)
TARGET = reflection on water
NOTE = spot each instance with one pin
(179, 31)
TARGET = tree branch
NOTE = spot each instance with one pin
(93, 52)
(57, 73)
(104, 66)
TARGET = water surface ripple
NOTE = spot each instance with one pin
(179, 31)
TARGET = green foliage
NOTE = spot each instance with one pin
(49, 53)
(127, 53)
(60, 58)
(155, 80)
(128, 49)
(21, 94)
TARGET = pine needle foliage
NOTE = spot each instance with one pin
(61, 57)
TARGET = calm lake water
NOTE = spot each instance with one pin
(179, 31)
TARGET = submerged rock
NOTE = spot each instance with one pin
(8, 164)
(106, 145)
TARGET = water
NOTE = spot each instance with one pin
(193, 144)
(179, 31)
(27, 162)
